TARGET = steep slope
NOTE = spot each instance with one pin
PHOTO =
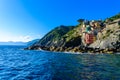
(53, 37)
(109, 37)
(32, 42)
(73, 37)
(69, 38)
(113, 17)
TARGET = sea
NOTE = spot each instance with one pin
(19, 64)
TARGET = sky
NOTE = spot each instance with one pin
(25, 20)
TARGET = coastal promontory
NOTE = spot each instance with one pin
(94, 36)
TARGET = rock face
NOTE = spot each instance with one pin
(110, 36)
(69, 38)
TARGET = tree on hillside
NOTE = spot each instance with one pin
(80, 21)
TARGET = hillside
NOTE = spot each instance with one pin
(70, 38)
(32, 42)
(114, 17)
(53, 37)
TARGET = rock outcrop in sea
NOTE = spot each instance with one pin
(72, 38)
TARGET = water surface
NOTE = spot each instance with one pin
(17, 64)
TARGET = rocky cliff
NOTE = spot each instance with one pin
(69, 38)
(109, 37)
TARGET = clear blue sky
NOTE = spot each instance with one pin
(24, 20)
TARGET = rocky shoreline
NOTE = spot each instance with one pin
(75, 49)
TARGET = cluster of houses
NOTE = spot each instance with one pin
(91, 30)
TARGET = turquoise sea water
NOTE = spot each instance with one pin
(17, 64)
